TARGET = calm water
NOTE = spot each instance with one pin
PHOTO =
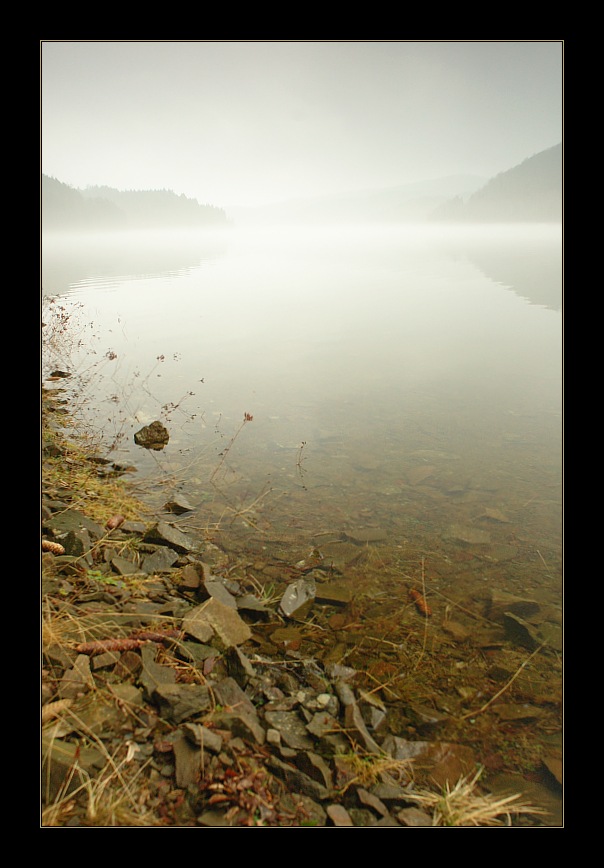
(403, 380)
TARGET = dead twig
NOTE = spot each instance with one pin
(505, 686)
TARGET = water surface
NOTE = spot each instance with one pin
(402, 378)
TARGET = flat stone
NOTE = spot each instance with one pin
(214, 588)
(297, 780)
(213, 618)
(306, 808)
(292, 728)
(191, 577)
(334, 593)
(321, 724)
(178, 505)
(413, 817)
(252, 605)
(354, 723)
(165, 533)
(517, 711)
(71, 519)
(203, 737)
(339, 816)
(364, 535)
(368, 800)
(298, 598)
(315, 767)
(241, 725)
(214, 819)
(239, 666)
(78, 544)
(468, 535)
(127, 693)
(159, 561)
(180, 701)
(229, 694)
(136, 527)
(456, 631)
(154, 674)
(77, 680)
(521, 632)
(501, 602)
(187, 762)
(386, 821)
(125, 567)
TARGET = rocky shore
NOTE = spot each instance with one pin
(179, 690)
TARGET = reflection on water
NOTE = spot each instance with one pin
(424, 387)
(107, 259)
(405, 387)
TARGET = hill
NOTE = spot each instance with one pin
(528, 192)
(406, 203)
(65, 207)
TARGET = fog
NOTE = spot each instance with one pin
(249, 123)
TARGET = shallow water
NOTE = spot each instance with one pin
(403, 378)
(405, 385)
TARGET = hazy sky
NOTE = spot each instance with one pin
(252, 122)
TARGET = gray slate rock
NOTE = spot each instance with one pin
(353, 721)
(125, 567)
(240, 724)
(297, 780)
(413, 817)
(339, 816)
(298, 598)
(72, 520)
(178, 702)
(166, 534)
(214, 588)
(213, 620)
(178, 505)
(292, 728)
(160, 561)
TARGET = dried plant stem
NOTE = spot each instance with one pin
(426, 617)
(247, 417)
(505, 686)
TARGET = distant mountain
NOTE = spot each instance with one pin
(528, 192)
(407, 203)
(65, 207)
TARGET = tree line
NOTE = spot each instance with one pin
(65, 207)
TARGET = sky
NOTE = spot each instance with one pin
(247, 123)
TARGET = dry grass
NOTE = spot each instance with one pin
(465, 805)
(114, 797)
(367, 769)
(73, 472)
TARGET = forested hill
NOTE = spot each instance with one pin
(65, 207)
(528, 192)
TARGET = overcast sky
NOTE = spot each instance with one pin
(251, 122)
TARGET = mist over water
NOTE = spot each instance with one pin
(404, 378)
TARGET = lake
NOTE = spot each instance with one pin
(405, 379)
(383, 400)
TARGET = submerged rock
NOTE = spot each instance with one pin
(153, 436)
(178, 504)
(298, 598)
